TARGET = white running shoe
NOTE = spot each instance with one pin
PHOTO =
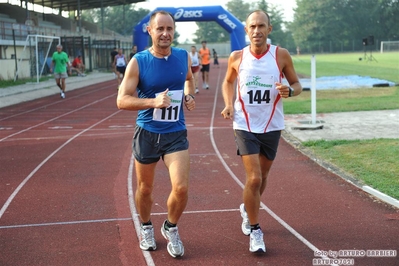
(256, 243)
(62, 95)
(196, 90)
(175, 246)
(245, 226)
(147, 240)
(204, 85)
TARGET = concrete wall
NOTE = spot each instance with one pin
(8, 69)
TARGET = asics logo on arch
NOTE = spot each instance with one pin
(226, 20)
(187, 13)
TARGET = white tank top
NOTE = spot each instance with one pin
(120, 60)
(194, 59)
(258, 107)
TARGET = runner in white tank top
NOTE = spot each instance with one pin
(258, 107)
(257, 113)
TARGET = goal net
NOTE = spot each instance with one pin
(36, 51)
(389, 46)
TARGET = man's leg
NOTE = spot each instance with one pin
(178, 164)
(145, 182)
(207, 79)
(63, 86)
(58, 82)
(252, 187)
(265, 165)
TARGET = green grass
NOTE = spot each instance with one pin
(386, 67)
(372, 161)
(9, 83)
(329, 101)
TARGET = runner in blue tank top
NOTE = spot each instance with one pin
(159, 84)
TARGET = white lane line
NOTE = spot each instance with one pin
(55, 118)
(12, 196)
(110, 219)
(271, 213)
(65, 223)
(133, 211)
(57, 102)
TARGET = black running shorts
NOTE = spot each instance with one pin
(149, 147)
(254, 143)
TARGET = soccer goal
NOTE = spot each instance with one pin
(36, 51)
(389, 46)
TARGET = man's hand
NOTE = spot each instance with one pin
(189, 102)
(162, 100)
(227, 112)
(283, 90)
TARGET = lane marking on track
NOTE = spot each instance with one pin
(133, 211)
(107, 220)
(60, 127)
(55, 118)
(237, 180)
(65, 223)
(21, 185)
(57, 102)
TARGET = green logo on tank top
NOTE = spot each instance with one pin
(255, 82)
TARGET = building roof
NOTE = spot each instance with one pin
(72, 5)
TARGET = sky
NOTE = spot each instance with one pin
(187, 29)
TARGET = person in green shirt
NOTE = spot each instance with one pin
(60, 60)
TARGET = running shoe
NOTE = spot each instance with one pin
(196, 90)
(245, 226)
(175, 246)
(62, 95)
(204, 85)
(256, 243)
(147, 240)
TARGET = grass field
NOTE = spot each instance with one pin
(374, 162)
(386, 67)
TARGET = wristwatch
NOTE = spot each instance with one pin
(291, 93)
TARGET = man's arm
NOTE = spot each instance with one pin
(127, 98)
(228, 84)
(287, 68)
(189, 87)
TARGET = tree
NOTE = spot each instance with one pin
(120, 19)
(239, 9)
(213, 32)
(338, 25)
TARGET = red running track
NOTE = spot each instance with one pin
(66, 195)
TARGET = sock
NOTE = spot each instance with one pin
(255, 227)
(169, 225)
(147, 223)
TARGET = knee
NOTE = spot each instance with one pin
(180, 191)
(145, 190)
(254, 182)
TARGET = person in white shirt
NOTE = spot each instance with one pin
(257, 112)
(195, 66)
(120, 63)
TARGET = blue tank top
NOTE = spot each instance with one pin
(157, 75)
